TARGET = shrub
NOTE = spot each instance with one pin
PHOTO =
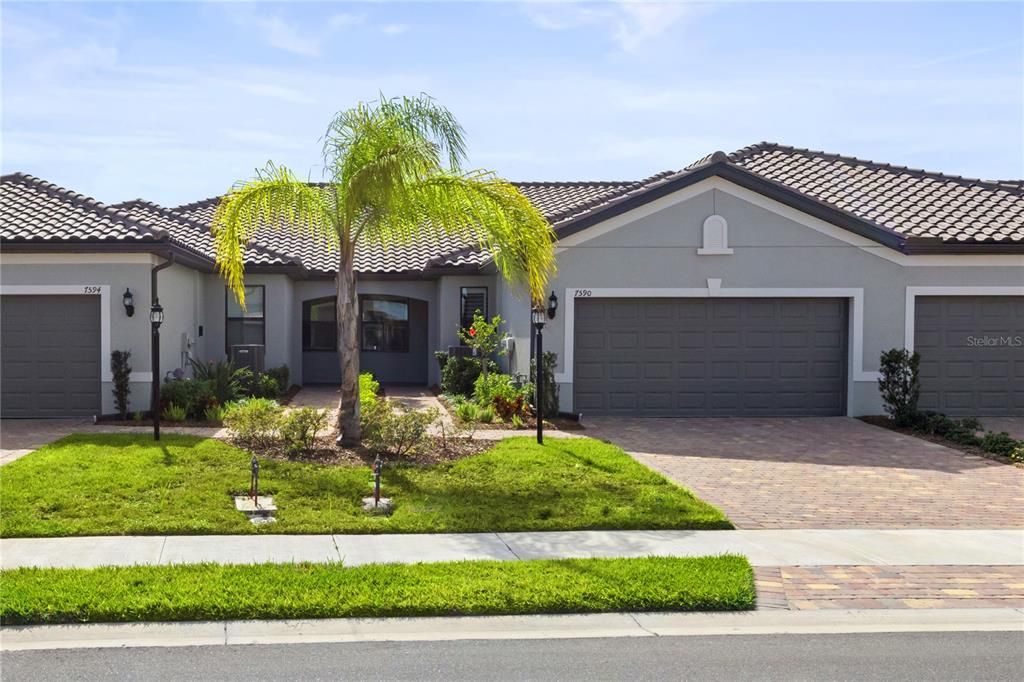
(467, 411)
(441, 357)
(899, 384)
(487, 387)
(971, 423)
(517, 421)
(137, 416)
(226, 379)
(1018, 453)
(263, 386)
(254, 420)
(121, 372)
(174, 413)
(191, 395)
(1000, 443)
(963, 434)
(482, 336)
(550, 397)
(214, 413)
(485, 415)
(300, 428)
(389, 428)
(459, 375)
(281, 375)
(369, 389)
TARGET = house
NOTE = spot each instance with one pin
(762, 282)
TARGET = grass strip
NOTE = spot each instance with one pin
(127, 484)
(275, 591)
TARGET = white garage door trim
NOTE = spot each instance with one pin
(856, 326)
(101, 290)
(914, 292)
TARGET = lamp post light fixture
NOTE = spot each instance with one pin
(156, 318)
(552, 305)
(539, 316)
(129, 302)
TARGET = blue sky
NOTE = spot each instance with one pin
(175, 101)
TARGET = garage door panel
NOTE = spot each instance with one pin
(729, 356)
(50, 356)
(971, 363)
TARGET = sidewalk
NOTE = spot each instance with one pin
(764, 548)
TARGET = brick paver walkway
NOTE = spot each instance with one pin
(890, 587)
(832, 472)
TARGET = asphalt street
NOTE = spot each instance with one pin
(905, 656)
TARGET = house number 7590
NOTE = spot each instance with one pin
(583, 293)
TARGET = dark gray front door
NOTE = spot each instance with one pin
(972, 354)
(50, 356)
(710, 357)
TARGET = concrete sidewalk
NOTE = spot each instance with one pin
(761, 547)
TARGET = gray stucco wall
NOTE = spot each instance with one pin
(770, 251)
(126, 333)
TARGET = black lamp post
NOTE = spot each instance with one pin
(156, 318)
(539, 316)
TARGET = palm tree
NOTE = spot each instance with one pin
(395, 179)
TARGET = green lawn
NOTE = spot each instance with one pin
(212, 592)
(113, 484)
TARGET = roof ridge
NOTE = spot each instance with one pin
(84, 201)
(751, 150)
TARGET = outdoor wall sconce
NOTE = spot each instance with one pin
(129, 302)
(552, 305)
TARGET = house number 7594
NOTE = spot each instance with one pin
(583, 293)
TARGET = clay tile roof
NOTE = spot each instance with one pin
(195, 236)
(558, 201)
(908, 201)
(36, 211)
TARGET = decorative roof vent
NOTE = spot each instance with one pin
(716, 237)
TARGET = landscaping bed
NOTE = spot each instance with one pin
(127, 484)
(965, 445)
(267, 591)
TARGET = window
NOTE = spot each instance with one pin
(319, 325)
(473, 299)
(385, 324)
(245, 326)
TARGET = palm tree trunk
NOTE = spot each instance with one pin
(348, 347)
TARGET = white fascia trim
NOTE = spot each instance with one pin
(101, 290)
(914, 292)
(855, 295)
(799, 217)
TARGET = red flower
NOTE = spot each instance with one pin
(472, 331)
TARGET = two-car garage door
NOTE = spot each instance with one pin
(49, 356)
(710, 356)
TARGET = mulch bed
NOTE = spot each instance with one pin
(887, 423)
(529, 424)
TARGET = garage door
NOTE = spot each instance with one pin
(49, 356)
(710, 357)
(972, 354)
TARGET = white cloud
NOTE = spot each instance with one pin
(394, 29)
(630, 23)
(277, 92)
(278, 32)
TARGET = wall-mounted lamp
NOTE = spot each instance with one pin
(129, 302)
(552, 306)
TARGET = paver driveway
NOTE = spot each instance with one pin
(833, 472)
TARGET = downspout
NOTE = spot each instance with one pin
(154, 400)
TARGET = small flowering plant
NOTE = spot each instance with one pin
(483, 337)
